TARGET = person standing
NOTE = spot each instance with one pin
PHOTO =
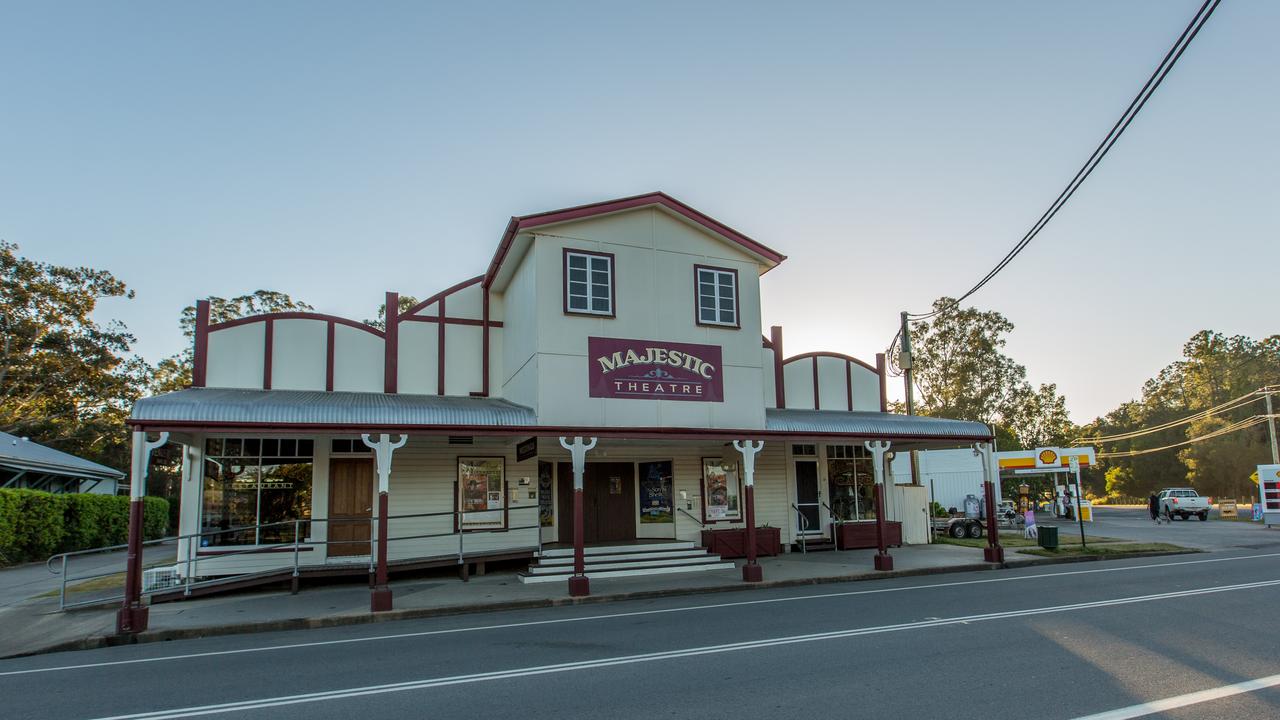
(1153, 506)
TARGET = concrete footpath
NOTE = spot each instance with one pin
(36, 626)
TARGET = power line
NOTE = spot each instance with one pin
(1135, 106)
(1241, 425)
(1241, 401)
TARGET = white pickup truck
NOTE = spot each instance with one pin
(1183, 503)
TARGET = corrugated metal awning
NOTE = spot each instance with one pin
(873, 424)
(313, 408)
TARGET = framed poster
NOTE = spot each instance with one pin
(481, 493)
(656, 492)
(546, 494)
(721, 490)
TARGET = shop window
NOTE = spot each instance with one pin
(255, 489)
(588, 283)
(804, 450)
(721, 490)
(482, 493)
(717, 291)
(850, 472)
(343, 446)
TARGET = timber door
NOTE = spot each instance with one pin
(808, 518)
(350, 506)
(608, 502)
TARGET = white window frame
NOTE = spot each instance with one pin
(716, 298)
(590, 259)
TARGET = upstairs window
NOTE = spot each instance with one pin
(588, 283)
(717, 290)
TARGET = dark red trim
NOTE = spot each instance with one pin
(848, 382)
(882, 371)
(564, 282)
(484, 344)
(200, 356)
(328, 356)
(242, 550)
(391, 348)
(440, 348)
(439, 296)
(636, 433)
(294, 315)
(132, 616)
(450, 320)
(380, 597)
(836, 355)
(764, 343)
(817, 403)
(697, 299)
(779, 386)
(525, 222)
(268, 344)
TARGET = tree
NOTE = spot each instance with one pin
(65, 380)
(174, 373)
(962, 371)
(405, 304)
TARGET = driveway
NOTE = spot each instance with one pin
(1135, 524)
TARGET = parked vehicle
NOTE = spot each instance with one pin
(1182, 503)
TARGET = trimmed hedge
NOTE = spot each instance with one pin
(35, 525)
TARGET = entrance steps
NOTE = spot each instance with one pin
(605, 561)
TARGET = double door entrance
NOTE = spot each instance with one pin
(608, 502)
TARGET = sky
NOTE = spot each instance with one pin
(894, 151)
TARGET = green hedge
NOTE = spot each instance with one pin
(35, 525)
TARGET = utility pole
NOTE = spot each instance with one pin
(906, 362)
(1271, 425)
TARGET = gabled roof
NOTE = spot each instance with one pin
(18, 453)
(522, 223)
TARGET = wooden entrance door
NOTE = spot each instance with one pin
(350, 506)
(608, 502)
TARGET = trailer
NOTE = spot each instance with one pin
(974, 526)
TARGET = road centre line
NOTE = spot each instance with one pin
(430, 683)
(633, 613)
(1180, 701)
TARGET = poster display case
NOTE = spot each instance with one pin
(482, 493)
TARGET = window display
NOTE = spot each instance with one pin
(250, 482)
(721, 490)
(851, 478)
(656, 492)
(481, 493)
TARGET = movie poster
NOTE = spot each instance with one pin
(481, 493)
(656, 491)
(720, 490)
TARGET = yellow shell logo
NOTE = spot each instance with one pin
(1048, 457)
(1278, 473)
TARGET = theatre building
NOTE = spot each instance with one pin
(600, 401)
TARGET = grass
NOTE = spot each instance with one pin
(107, 582)
(1016, 540)
(1118, 548)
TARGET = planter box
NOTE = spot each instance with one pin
(862, 534)
(732, 542)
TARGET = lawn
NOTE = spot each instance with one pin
(1113, 549)
(1016, 540)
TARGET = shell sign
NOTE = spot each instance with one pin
(654, 370)
(1047, 457)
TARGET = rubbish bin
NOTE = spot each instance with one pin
(1048, 537)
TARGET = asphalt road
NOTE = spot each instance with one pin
(1135, 524)
(1049, 642)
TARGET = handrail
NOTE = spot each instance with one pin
(691, 517)
(804, 527)
(295, 545)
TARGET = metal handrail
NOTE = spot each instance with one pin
(691, 517)
(804, 527)
(193, 547)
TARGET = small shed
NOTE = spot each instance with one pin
(30, 465)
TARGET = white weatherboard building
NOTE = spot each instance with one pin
(632, 324)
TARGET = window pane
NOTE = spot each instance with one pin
(286, 496)
(231, 447)
(706, 289)
(708, 314)
(578, 275)
(726, 316)
(600, 291)
(289, 448)
(599, 264)
(577, 288)
(600, 277)
(230, 500)
(270, 446)
(600, 304)
(578, 261)
(306, 448)
(577, 302)
(213, 446)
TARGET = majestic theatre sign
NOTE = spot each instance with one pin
(654, 370)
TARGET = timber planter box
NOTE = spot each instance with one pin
(862, 534)
(731, 543)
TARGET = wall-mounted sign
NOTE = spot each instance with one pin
(527, 449)
(654, 370)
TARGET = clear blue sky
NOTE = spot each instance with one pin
(893, 150)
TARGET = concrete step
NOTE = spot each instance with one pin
(623, 557)
(630, 572)
(616, 549)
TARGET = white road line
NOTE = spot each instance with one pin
(1179, 701)
(429, 683)
(612, 616)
